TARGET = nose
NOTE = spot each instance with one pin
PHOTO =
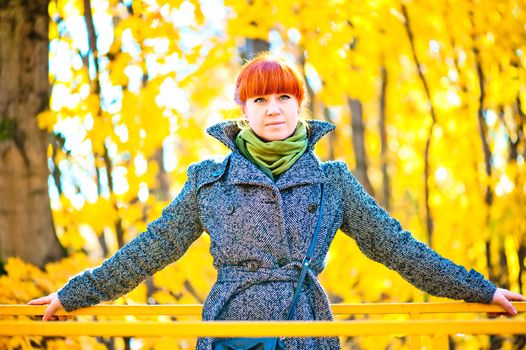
(273, 106)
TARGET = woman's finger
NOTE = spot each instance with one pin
(499, 298)
(40, 301)
(512, 295)
(51, 309)
(49, 314)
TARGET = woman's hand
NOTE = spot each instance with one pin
(502, 298)
(54, 304)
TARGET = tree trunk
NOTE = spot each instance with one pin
(310, 91)
(427, 151)
(314, 108)
(386, 183)
(358, 140)
(496, 269)
(26, 224)
(162, 192)
(332, 135)
(253, 47)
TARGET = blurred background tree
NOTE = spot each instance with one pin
(25, 213)
(428, 98)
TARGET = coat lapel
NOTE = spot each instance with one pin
(307, 170)
(243, 171)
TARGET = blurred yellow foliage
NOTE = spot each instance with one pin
(146, 125)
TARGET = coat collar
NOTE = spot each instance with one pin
(306, 170)
(227, 131)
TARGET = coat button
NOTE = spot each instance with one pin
(229, 209)
(312, 207)
(252, 266)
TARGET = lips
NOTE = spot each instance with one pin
(275, 123)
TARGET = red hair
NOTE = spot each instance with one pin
(267, 74)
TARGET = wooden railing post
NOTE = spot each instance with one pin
(415, 341)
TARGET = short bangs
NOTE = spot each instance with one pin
(266, 75)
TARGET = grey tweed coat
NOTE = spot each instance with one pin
(260, 231)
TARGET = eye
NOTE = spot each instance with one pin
(259, 99)
(284, 97)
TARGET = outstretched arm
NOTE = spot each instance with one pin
(165, 240)
(381, 238)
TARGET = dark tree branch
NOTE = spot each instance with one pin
(427, 167)
(386, 186)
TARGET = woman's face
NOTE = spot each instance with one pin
(272, 117)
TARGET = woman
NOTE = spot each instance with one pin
(259, 206)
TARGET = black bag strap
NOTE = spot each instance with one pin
(306, 261)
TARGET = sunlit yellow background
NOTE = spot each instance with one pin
(447, 76)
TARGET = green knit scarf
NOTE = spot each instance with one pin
(273, 157)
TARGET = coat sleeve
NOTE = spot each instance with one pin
(381, 238)
(165, 240)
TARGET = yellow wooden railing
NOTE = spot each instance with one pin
(413, 326)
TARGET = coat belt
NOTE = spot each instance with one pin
(286, 273)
